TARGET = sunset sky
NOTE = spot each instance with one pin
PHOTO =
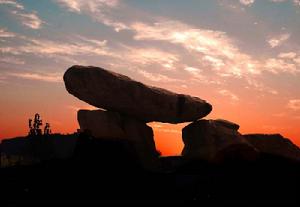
(243, 57)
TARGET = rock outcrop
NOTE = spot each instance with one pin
(111, 125)
(215, 140)
(130, 105)
(227, 124)
(115, 92)
(274, 144)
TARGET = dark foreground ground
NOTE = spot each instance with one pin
(104, 173)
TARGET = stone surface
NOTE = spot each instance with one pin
(227, 124)
(215, 140)
(111, 125)
(115, 92)
(274, 144)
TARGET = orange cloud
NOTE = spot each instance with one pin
(294, 104)
(41, 77)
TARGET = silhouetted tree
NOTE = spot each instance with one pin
(34, 128)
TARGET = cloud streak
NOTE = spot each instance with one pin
(294, 104)
(278, 40)
(6, 34)
(13, 4)
(296, 2)
(146, 56)
(229, 94)
(157, 77)
(92, 5)
(48, 48)
(277, 65)
(213, 48)
(47, 77)
(99, 10)
(12, 60)
(28, 19)
(247, 2)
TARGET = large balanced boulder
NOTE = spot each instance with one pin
(216, 140)
(113, 126)
(274, 144)
(115, 92)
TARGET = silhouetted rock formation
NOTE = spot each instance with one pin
(215, 140)
(111, 125)
(274, 144)
(116, 92)
(131, 104)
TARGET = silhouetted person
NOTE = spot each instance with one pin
(47, 129)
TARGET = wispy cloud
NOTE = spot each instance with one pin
(145, 56)
(163, 128)
(278, 40)
(12, 60)
(282, 114)
(2, 79)
(196, 72)
(260, 86)
(157, 77)
(74, 6)
(297, 60)
(229, 94)
(214, 48)
(12, 3)
(292, 58)
(288, 55)
(197, 75)
(294, 104)
(4, 33)
(85, 106)
(276, 66)
(48, 48)
(296, 2)
(277, 1)
(92, 5)
(247, 2)
(99, 10)
(28, 19)
(47, 77)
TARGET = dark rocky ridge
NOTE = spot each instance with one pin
(106, 172)
(274, 144)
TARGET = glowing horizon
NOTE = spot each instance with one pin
(241, 56)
